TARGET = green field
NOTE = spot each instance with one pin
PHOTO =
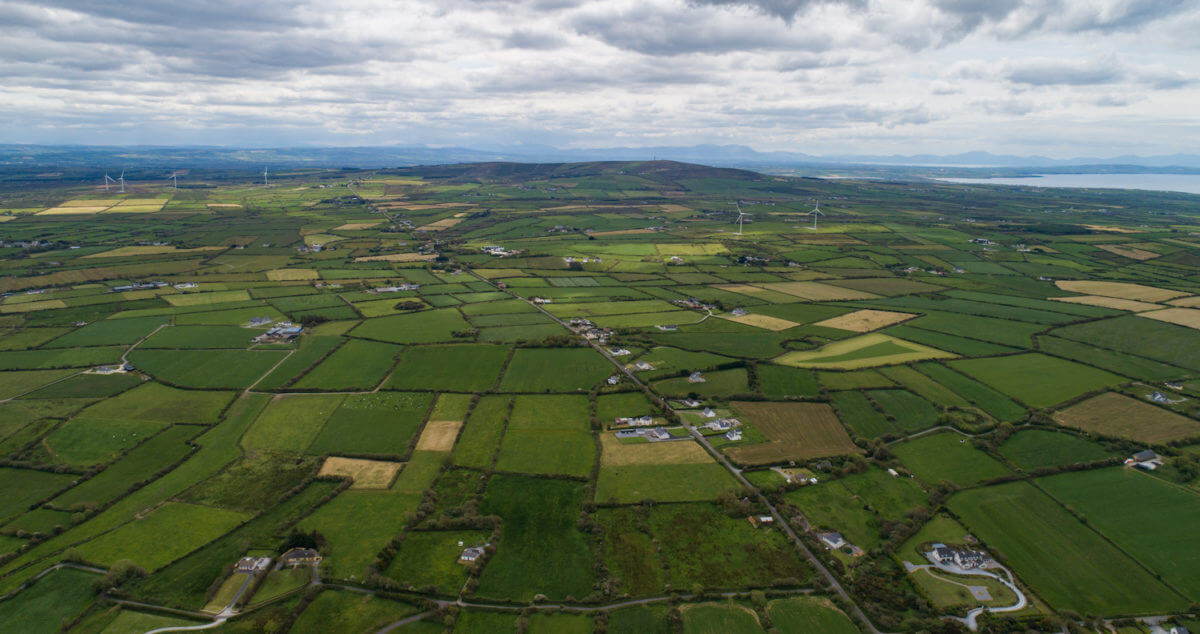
(454, 368)
(1115, 502)
(291, 422)
(862, 352)
(1037, 379)
(1066, 562)
(372, 424)
(947, 456)
(421, 327)
(554, 370)
(167, 533)
(1037, 448)
(430, 559)
(541, 551)
(358, 365)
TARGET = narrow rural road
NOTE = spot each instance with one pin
(737, 474)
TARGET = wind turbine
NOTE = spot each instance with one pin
(741, 215)
(107, 179)
(122, 181)
(265, 175)
(175, 177)
(816, 211)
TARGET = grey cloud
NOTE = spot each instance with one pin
(535, 40)
(1049, 74)
(786, 10)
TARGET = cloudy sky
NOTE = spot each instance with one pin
(1052, 77)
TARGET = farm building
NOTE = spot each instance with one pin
(696, 377)
(733, 435)
(614, 379)
(642, 365)
(471, 553)
(759, 520)
(707, 412)
(253, 564)
(832, 539)
(300, 557)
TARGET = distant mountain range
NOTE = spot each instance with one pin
(116, 158)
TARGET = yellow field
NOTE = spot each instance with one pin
(1121, 416)
(124, 252)
(395, 257)
(1110, 229)
(357, 226)
(701, 248)
(440, 225)
(773, 297)
(673, 208)
(615, 453)
(439, 435)
(1189, 317)
(427, 207)
(1108, 302)
(288, 275)
(133, 209)
(321, 238)
(862, 352)
(1129, 252)
(367, 474)
(816, 291)
(92, 202)
(765, 322)
(1123, 290)
(25, 307)
(1186, 302)
(218, 205)
(62, 211)
(201, 299)
(865, 320)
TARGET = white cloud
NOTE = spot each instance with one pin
(1036, 76)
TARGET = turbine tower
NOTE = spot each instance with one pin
(108, 179)
(741, 215)
(175, 177)
(122, 181)
(816, 211)
(265, 175)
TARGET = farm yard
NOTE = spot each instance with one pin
(529, 385)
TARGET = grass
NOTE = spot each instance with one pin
(280, 582)
(253, 483)
(947, 456)
(207, 369)
(1117, 501)
(547, 452)
(50, 604)
(541, 550)
(59, 358)
(1037, 449)
(358, 365)
(88, 386)
(113, 332)
(311, 350)
(702, 545)
(986, 398)
(13, 384)
(633, 483)
(177, 337)
(22, 487)
(155, 403)
(455, 368)
(481, 433)
(776, 381)
(809, 614)
(349, 612)
(137, 466)
(1151, 339)
(167, 533)
(1067, 564)
(430, 558)
(723, 383)
(381, 424)
(861, 352)
(860, 415)
(426, 326)
(82, 443)
(353, 540)
(291, 422)
(719, 618)
(909, 411)
(1120, 416)
(554, 370)
(1036, 379)
(621, 405)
